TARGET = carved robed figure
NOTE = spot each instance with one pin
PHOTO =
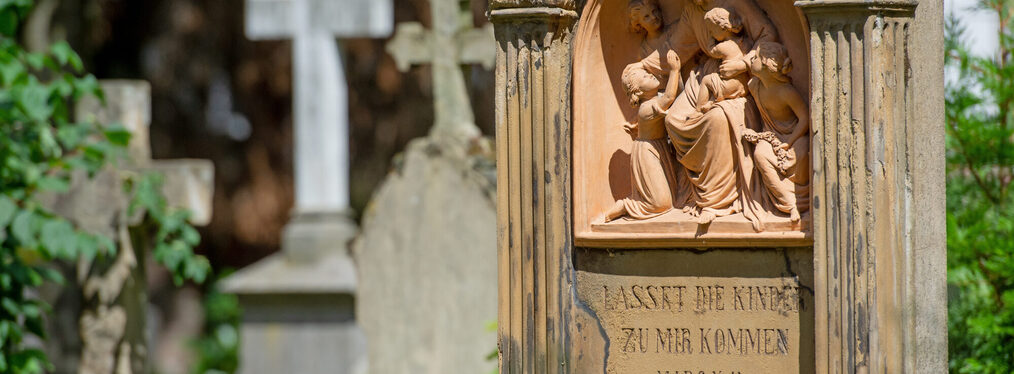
(739, 136)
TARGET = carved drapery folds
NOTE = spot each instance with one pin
(863, 164)
(533, 175)
(692, 124)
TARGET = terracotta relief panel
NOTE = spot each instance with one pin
(691, 123)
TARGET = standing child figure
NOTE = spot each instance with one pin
(646, 20)
(652, 166)
(782, 150)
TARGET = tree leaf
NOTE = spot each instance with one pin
(65, 55)
(22, 228)
(10, 306)
(7, 210)
(117, 134)
(33, 100)
(8, 21)
(51, 275)
(106, 245)
(87, 245)
(52, 183)
(59, 237)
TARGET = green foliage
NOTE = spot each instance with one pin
(40, 149)
(980, 217)
(174, 238)
(218, 347)
(493, 355)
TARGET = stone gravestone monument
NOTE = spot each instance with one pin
(720, 186)
(298, 304)
(427, 255)
(100, 325)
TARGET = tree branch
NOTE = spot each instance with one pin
(971, 168)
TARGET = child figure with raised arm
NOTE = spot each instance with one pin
(782, 149)
(652, 165)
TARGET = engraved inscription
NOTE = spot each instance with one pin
(741, 341)
(700, 324)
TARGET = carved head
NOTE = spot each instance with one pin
(773, 59)
(639, 84)
(722, 24)
(645, 16)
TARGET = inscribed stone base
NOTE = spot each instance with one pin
(427, 265)
(687, 311)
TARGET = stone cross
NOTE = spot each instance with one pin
(451, 43)
(113, 332)
(298, 304)
(187, 183)
(320, 97)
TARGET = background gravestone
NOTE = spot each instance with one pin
(298, 304)
(426, 255)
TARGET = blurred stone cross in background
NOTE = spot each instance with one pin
(320, 94)
(298, 305)
(108, 301)
(451, 43)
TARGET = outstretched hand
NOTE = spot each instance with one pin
(732, 68)
(630, 128)
(673, 60)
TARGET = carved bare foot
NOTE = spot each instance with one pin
(609, 217)
(706, 217)
(794, 216)
(617, 211)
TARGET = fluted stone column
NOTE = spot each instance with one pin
(877, 157)
(533, 178)
(878, 186)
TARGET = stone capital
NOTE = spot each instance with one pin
(838, 8)
(527, 11)
(508, 4)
